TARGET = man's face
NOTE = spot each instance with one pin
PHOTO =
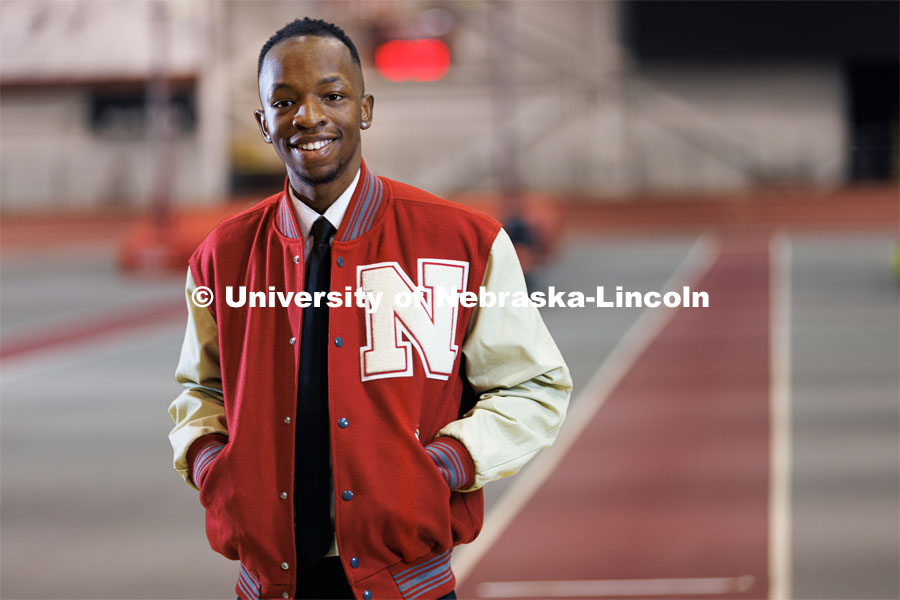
(313, 109)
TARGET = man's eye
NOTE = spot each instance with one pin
(334, 97)
(281, 103)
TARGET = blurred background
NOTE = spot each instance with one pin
(750, 149)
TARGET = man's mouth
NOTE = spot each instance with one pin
(316, 145)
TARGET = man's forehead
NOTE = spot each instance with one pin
(309, 53)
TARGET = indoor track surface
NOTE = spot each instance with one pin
(745, 450)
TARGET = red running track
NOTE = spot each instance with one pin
(90, 328)
(670, 479)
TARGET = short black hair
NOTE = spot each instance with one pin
(307, 26)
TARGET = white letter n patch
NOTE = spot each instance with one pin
(425, 323)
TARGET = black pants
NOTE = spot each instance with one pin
(326, 581)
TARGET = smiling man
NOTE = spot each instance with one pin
(314, 106)
(340, 452)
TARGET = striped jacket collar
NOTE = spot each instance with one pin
(368, 199)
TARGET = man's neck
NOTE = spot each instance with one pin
(320, 197)
(306, 215)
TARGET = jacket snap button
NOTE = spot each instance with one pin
(285, 595)
(338, 342)
(340, 261)
(354, 562)
(284, 566)
(343, 423)
(296, 262)
(367, 595)
(287, 419)
(347, 495)
(283, 495)
(292, 341)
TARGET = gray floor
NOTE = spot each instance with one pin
(846, 410)
(92, 509)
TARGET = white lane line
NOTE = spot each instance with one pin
(111, 344)
(603, 588)
(780, 416)
(644, 330)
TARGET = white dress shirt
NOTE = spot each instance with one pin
(334, 213)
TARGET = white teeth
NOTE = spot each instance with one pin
(316, 145)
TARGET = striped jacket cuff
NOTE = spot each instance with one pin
(453, 461)
(202, 454)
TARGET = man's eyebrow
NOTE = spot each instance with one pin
(279, 86)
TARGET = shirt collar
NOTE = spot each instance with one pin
(334, 213)
(367, 203)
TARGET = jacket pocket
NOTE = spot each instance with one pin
(466, 508)
(218, 497)
(466, 515)
(418, 513)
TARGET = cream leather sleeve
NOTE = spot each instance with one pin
(200, 409)
(520, 376)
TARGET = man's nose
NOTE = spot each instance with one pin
(309, 115)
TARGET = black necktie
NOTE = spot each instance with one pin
(312, 484)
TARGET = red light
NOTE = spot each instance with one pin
(413, 60)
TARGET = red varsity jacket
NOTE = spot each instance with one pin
(396, 517)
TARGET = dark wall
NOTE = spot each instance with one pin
(691, 31)
(873, 116)
(860, 37)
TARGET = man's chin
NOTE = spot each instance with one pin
(321, 178)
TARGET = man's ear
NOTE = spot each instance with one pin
(366, 110)
(263, 128)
